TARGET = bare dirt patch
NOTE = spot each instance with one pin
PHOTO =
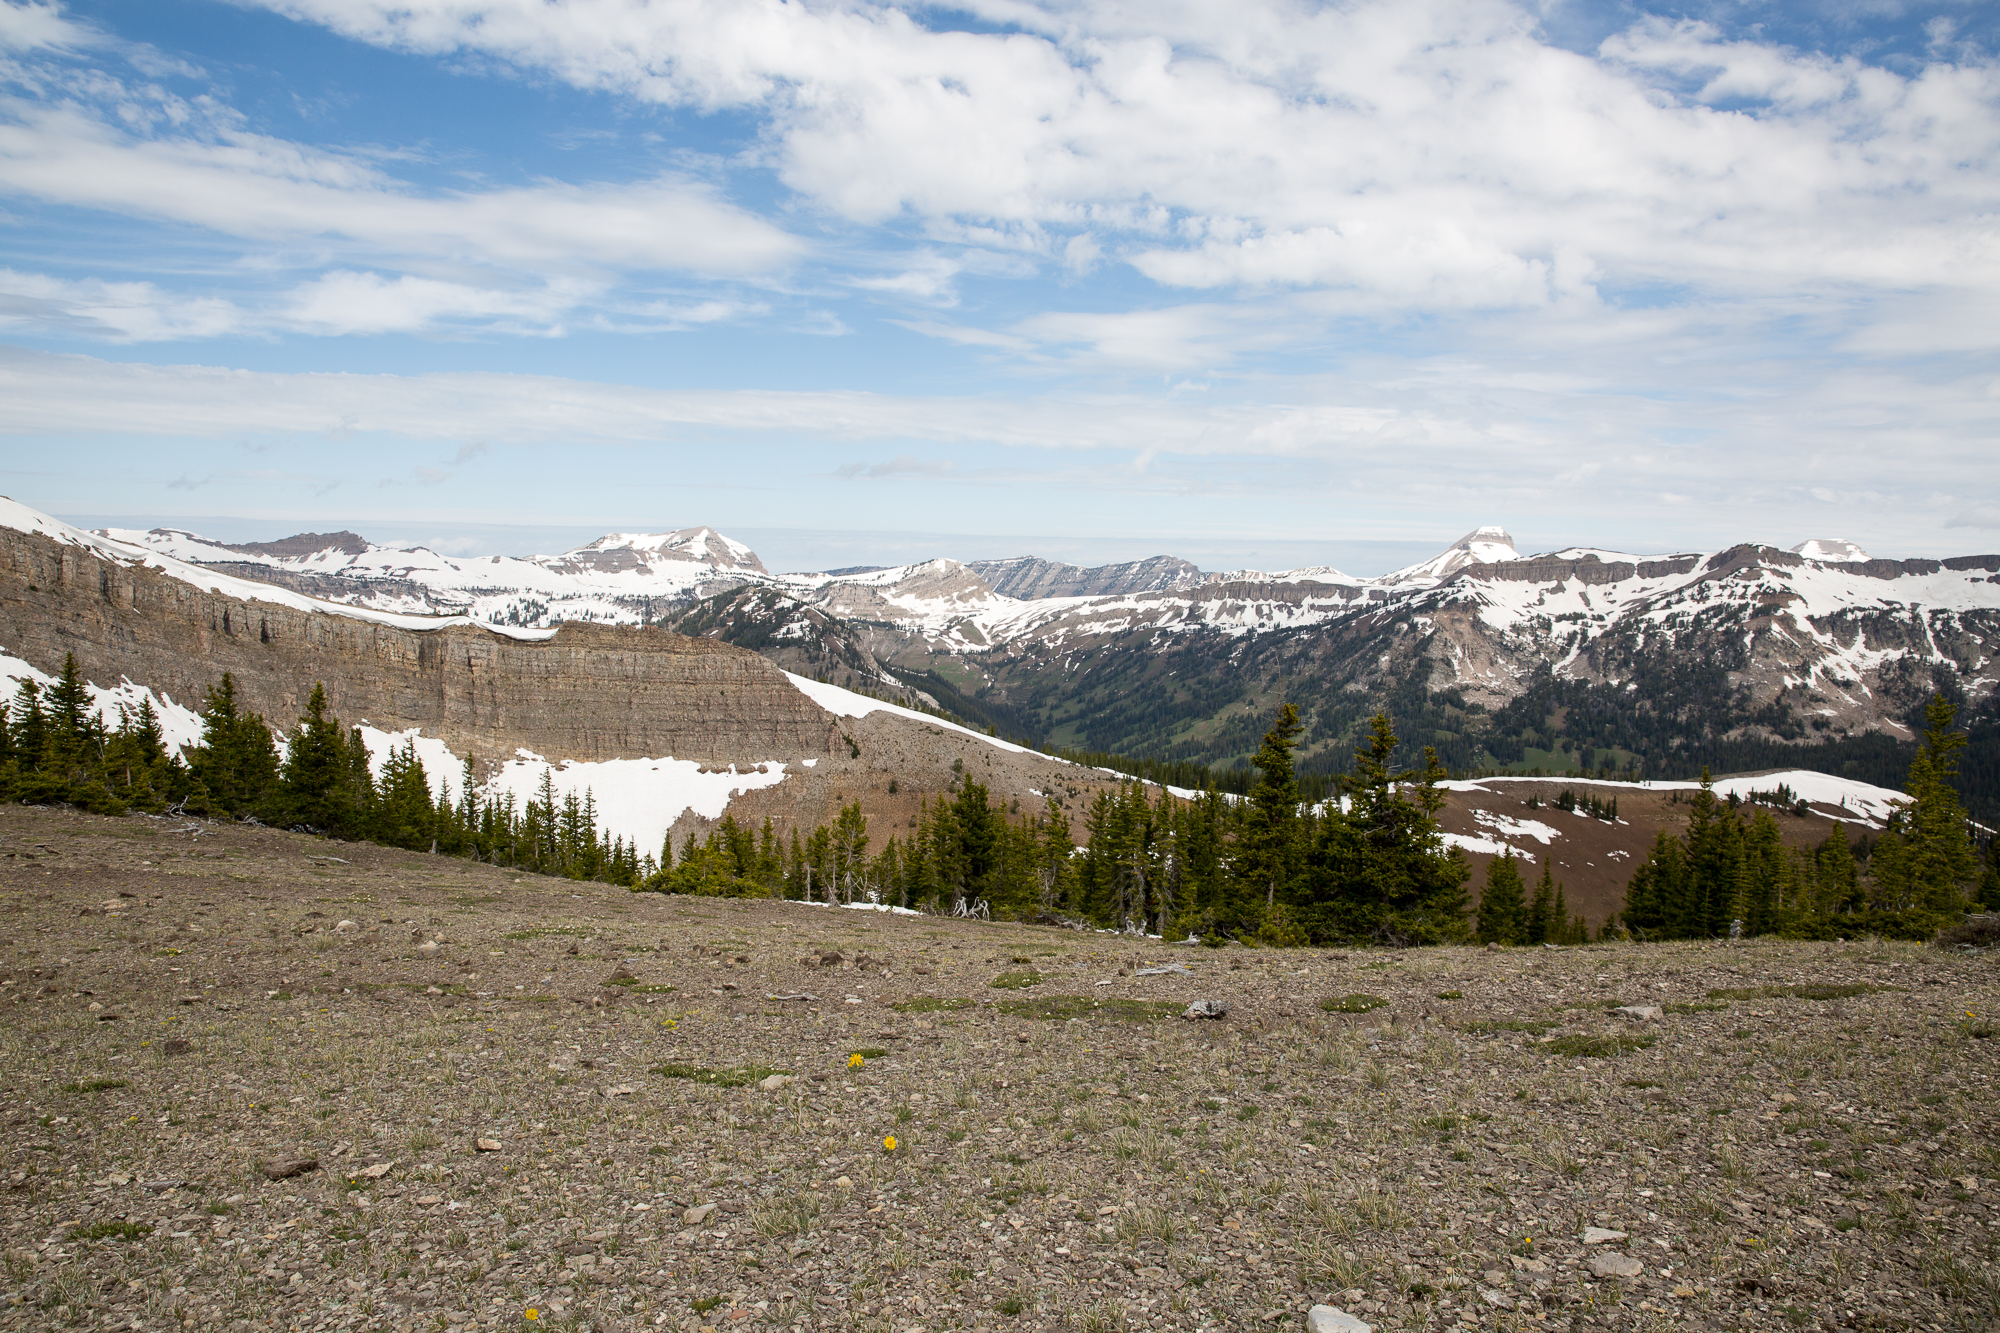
(587, 1103)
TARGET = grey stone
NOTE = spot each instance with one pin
(284, 1168)
(1638, 1011)
(1333, 1319)
(698, 1214)
(1164, 969)
(1601, 1236)
(773, 1082)
(1207, 1009)
(1610, 1263)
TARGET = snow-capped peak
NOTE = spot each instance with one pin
(617, 551)
(1481, 546)
(1832, 550)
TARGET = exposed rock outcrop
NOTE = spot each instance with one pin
(586, 692)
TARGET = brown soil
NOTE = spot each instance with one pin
(181, 1007)
(1591, 858)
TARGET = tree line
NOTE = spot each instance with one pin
(1271, 868)
(1367, 863)
(1729, 872)
(56, 747)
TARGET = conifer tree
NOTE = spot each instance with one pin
(1502, 911)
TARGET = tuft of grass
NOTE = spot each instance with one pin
(1060, 1008)
(1597, 1046)
(1018, 980)
(112, 1231)
(1534, 1025)
(1451, 995)
(1352, 1004)
(1139, 1225)
(786, 1216)
(736, 1077)
(96, 1085)
(929, 1004)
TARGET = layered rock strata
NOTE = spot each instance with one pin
(586, 692)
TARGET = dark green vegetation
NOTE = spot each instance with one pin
(1352, 1004)
(1728, 873)
(1270, 868)
(54, 748)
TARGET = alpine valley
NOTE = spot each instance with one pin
(1566, 662)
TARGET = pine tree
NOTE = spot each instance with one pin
(1502, 911)
(1272, 853)
(1926, 860)
(1542, 923)
(318, 787)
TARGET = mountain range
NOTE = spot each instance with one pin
(1573, 660)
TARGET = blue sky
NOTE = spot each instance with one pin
(1259, 284)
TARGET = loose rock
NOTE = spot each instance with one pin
(284, 1168)
(1601, 1236)
(1333, 1319)
(1207, 1009)
(1641, 1012)
(1610, 1263)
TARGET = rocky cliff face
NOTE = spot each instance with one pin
(586, 692)
(1028, 578)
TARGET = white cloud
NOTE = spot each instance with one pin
(347, 302)
(1438, 152)
(114, 311)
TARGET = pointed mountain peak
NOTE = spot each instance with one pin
(1481, 546)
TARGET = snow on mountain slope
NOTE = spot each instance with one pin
(1830, 549)
(846, 703)
(618, 579)
(1836, 797)
(180, 726)
(18, 516)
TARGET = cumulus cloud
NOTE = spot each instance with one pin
(1439, 152)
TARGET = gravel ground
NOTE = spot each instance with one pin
(183, 1009)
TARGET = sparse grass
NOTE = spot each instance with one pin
(1018, 980)
(1063, 1007)
(95, 1085)
(1598, 1046)
(1535, 1025)
(1430, 1139)
(788, 1215)
(1357, 1003)
(122, 1231)
(735, 1076)
(928, 1004)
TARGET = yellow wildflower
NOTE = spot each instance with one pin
(889, 1143)
(855, 1061)
(532, 1314)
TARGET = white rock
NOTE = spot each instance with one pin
(1639, 1011)
(1601, 1236)
(347, 928)
(698, 1214)
(773, 1082)
(428, 948)
(1610, 1263)
(1209, 1009)
(1332, 1319)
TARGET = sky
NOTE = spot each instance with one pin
(1260, 284)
